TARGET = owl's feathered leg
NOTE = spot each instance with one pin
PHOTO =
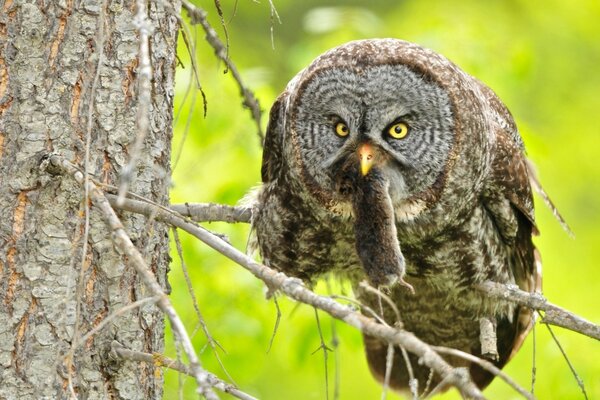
(377, 242)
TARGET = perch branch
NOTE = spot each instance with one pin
(198, 16)
(210, 212)
(55, 164)
(159, 360)
(553, 315)
(295, 289)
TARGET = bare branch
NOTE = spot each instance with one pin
(160, 360)
(488, 366)
(277, 320)
(274, 15)
(212, 342)
(553, 315)
(198, 16)
(389, 363)
(571, 367)
(210, 212)
(488, 339)
(295, 289)
(323, 346)
(54, 163)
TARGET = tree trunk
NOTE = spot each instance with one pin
(50, 293)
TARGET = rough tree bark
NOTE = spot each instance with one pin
(58, 59)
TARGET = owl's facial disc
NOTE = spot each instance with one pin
(404, 117)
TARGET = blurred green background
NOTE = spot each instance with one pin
(541, 58)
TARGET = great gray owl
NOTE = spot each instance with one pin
(383, 160)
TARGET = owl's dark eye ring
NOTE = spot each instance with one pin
(399, 130)
(341, 129)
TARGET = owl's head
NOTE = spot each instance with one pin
(380, 107)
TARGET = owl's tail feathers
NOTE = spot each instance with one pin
(535, 183)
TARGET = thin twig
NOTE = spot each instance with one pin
(533, 366)
(144, 78)
(295, 289)
(554, 315)
(413, 383)
(382, 296)
(212, 342)
(488, 366)
(571, 367)
(225, 31)
(325, 349)
(55, 164)
(191, 48)
(335, 345)
(273, 15)
(277, 320)
(428, 384)
(389, 363)
(198, 16)
(442, 385)
(160, 360)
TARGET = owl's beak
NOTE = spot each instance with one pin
(365, 153)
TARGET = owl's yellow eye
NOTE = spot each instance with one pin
(398, 131)
(341, 129)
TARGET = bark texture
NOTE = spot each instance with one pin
(50, 53)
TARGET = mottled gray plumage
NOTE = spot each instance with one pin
(446, 206)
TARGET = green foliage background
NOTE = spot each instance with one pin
(542, 58)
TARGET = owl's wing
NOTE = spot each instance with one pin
(505, 120)
(508, 201)
(273, 146)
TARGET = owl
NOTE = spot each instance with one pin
(383, 161)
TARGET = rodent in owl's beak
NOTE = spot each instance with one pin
(365, 153)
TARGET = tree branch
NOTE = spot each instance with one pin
(55, 164)
(160, 360)
(553, 315)
(198, 16)
(295, 289)
(211, 212)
